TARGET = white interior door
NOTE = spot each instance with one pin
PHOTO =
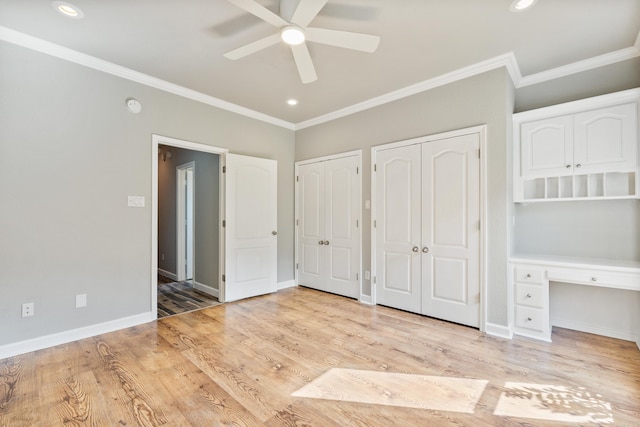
(398, 172)
(311, 225)
(341, 237)
(251, 227)
(451, 229)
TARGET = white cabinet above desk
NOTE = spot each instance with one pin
(529, 285)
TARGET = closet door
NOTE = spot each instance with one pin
(341, 237)
(311, 223)
(450, 229)
(398, 283)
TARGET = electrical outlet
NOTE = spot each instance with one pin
(27, 309)
(81, 300)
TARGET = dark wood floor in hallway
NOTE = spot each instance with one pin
(275, 360)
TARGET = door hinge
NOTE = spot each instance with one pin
(374, 223)
(297, 267)
(357, 276)
(224, 223)
(374, 280)
(297, 222)
(224, 169)
(297, 178)
(479, 154)
(478, 298)
(224, 278)
(375, 167)
(357, 170)
(357, 223)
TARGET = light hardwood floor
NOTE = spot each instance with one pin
(238, 364)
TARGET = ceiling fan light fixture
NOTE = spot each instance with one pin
(519, 5)
(292, 35)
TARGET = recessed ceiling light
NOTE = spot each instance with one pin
(68, 10)
(292, 35)
(519, 5)
(292, 102)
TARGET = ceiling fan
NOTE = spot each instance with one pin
(294, 31)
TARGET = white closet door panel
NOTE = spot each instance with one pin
(311, 225)
(251, 217)
(450, 229)
(398, 228)
(342, 201)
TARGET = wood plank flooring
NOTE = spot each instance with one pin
(238, 364)
(181, 297)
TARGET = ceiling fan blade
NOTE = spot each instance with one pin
(303, 61)
(250, 48)
(346, 39)
(260, 11)
(306, 11)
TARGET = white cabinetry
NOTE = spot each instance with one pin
(586, 149)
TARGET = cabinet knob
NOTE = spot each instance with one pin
(425, 249)
(568, 166)
(528, 276)
(415, 249)
(578, 165)
(529, 319)
(326, 242)
(527, 296)
(321, 242)
(594, 279)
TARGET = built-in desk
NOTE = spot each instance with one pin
(529, 285)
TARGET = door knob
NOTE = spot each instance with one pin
(425, 249)
(415, 249)
(274, 232)
(321, 242)
(578, 165)
(326, 242)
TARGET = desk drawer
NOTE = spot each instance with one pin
(531, 318)
(531, 295)
(529, 275)
(595, 278)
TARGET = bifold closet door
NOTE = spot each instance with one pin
(398, 174)
(328, 234)
(451, 229)
(427, 228)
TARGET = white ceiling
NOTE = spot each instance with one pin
(182, 42)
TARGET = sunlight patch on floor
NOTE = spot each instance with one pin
(394, 389)
(553, 403)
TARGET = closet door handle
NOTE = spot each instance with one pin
(321, 242)
(425, 249)
(568, 166)
(326, 242)
(274, 232)
(578, 165)
(415, 249)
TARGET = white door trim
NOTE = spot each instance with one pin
(156, 140)
(181, 216)
(482, 132)
(358, 154)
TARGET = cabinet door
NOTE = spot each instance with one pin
(397, 231)
(606, 139)
(546, 147)
(311, 225)
(450, 229)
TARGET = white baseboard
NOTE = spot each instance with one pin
(595, 329)
(365, 299)
(499, 331)
(167, 274)
(47, 341)
(210, 290)
(286, 284)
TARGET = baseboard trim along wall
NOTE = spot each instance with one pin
(209, 290)
(499, 331)
(286, 284)
(52, 340)
(167, 274)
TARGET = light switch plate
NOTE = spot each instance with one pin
(81, 300)
(135, 201)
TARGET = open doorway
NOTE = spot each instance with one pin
(188, 205)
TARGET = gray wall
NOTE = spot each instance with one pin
(483, 99)
(70, 154)
(206, 213)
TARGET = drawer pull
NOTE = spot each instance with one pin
(528, 276)
(594, 279)
(529, 319)
(527, 296)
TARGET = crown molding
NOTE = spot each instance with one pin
(52, 49)
(507, 60)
